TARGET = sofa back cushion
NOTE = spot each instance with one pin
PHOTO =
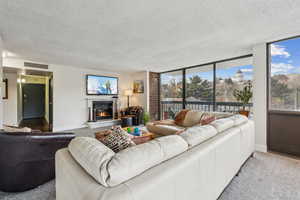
(239, 119)
(222, 124)
(198, 134)
(93, 156)
(111, 169)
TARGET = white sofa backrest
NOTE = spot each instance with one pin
(222, 124)
(239, 119)
(93, 156)
(111, 169)
(198, 134)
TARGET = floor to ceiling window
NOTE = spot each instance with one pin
(171, 93)
(284, 96)
(199, 88)
(207, 87)
(230, 76)
(285, 75)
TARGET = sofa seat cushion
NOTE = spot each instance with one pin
(111, 169)
(163, 129)
(198, 134)
(222, 124)
(239, 119)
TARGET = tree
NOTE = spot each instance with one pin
(280, 92)
(199, 88)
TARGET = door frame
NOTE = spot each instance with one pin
(50, 94)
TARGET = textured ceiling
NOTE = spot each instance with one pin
(118, 35)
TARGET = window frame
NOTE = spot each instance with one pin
(268, 79)
(214, 64)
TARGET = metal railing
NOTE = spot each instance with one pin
(170, 108)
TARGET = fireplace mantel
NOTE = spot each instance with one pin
(90, 102)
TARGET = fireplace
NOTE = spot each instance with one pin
(102, 110)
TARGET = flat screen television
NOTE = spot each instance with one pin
(101, 85)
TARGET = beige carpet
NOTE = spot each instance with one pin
(263, 177)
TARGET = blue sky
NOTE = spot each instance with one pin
(285, 57)
(221, 73)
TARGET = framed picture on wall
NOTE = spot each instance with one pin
(5, 89)
(138, 86)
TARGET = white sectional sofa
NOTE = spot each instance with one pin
(197, 164)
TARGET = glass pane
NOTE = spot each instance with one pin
(285, 75)
(171, 93)
(232, 76)
(199, 88)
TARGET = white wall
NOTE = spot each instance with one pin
(126, 80)
(1, 106)
(260, 96)
(69, 95)
(10, 105)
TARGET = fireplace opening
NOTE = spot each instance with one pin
(102, 110)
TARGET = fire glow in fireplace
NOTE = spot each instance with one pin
(102, 110)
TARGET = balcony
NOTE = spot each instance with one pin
(170, 108)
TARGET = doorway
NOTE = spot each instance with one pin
(29, 101)
(37, 103)
(33, 101)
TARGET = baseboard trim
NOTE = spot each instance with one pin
(261, 148)
(67, 128)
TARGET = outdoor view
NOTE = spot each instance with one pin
(230, 78)
(285, 75)
(199, 84)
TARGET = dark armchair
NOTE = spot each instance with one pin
(27, 160)
(137, 114)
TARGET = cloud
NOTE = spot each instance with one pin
(281, 68)
(278, 50)
(247, 70)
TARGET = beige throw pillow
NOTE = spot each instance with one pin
(11, 129)
(188, 118)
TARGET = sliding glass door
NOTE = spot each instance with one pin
(207, 87)
(284, 96)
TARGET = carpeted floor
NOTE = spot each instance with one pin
(263, 177)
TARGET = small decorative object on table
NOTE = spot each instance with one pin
(145, 137)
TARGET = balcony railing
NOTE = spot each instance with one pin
(170, 108)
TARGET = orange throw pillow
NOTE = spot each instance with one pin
(179, 118)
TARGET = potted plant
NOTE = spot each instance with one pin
(146, 117)
(244, 96)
